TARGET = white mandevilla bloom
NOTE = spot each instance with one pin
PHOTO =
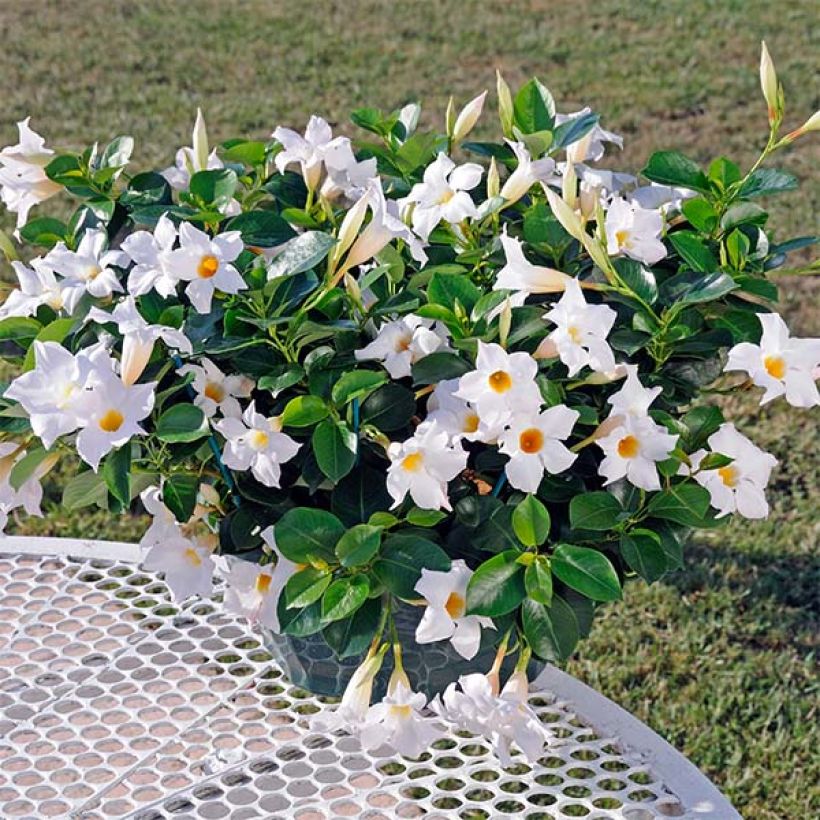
(445, 618)
(346, 176)
(53, 392)
(593, 141)
(580, 335)
(443, 195)
(521, 276)
(138, 337)
(187, 564)
(526, 173)
(215, 390)
(256, 443)
(205, 264)
(533, 441)
(423, 465)
(307, 151)
(781, 364)
(109, 413)
(163, 522)
(634, 231)
(39, 286)
(90, 266)
(23, 180)
(739, 486)
(633, 449)
(151, 252)
(458, 417)
(397, 721)
(633, 399)
(401, 343)
(502, 382)
(664, 198)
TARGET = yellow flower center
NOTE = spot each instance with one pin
(214, 391)
(531, 440)
(92, 272)
(258, 439)
(455, 605)
(628, 447)
(471, 422)
(208, 266)
(500, 381)
(622, 238)
(192, 556)
(574, 333)
(401, 711)
(775, 366)
(446, 196)
(728, 475)
(412, 463)
(111, 420)
(263, 582)
(403, 343)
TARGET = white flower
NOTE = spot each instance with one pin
(30, 494)
(346, 176)
(633, 449)
(398, 722)
(739, 486)
(533, 443)
(458, 417)
(257, 444)
(664, 198)
(521, 276)
(205, 264)
(781, 364)
(253, 592)
(526, 174)
(216, 391)
(90, 266)
(502, 382)
(634, 231)
(187, 564)
(423, 465)
(504, 718)
(138, 336)
(54, 390)
(401, 343)
(39, 286)
(444, 618)
(580, 336)
(23, 180)
(109, 413)
(590, 147)
(163, 522)
(443, 194)
(152, 254)
(633, 399)
(307, 151)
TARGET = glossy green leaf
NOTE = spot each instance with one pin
(344, 596)
(594, 511)
(303, 411)
(182, 423)
(401, 560)
(497, 585)
(531, 522)
(304, 534)
(358, 545)
(306, 586)
(587, 571)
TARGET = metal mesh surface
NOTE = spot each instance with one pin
(116, 703)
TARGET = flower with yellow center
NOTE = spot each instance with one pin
(39, 286)
(634, 231)
(89, 267)
(445, 594)
(217, 391)
(458, 417)
(208, 266)
(187, 564)
(399, 344)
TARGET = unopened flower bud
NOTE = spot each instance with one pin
(811, 124)
(769, 85)
(468, 117)
(505, 104)
(200, 142)
(493, 179)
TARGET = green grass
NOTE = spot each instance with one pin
(721, 658)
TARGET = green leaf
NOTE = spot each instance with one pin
(358, 545)
(389, 408)
(299, 622)
(639, 279)
(594, 511)
(306, 586)
(497, 585)
(701, 422)
(356, 384)
(215, 188)
(25, 468)
(351, 636)
(552, 632)
(84, 490)
(360, 494)
(402, 559)
(304, 534)
(538, 581)
(692, 287)
(44, 231)
(147, 188)
(438, 366)
(425, 518)
(701, 214)
(714, 461)
(573, 130)
(304, 411)
(743, 213)
(245, 152)
(686, 503)
(449, 289)
(767, 181)
(642, 551)
(21, 330)
(282, 377)
(334, 445)
(182, 423)
(116, 472)
(301, 254)
(179, 495)
(344, 597)
(531, 522)
(587, 571)
(534, 108)
(261, 229)
(694, 251)
(673, 168)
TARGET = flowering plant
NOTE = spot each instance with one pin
(366, 372)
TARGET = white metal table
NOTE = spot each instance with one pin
(115, 702)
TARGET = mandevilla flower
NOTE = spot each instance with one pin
(782, 364)
(526, 173)
(401, 343)
(521, 276)
(29, 494)
(634, 231)
(39, 286)
(187, 564)
(458, 417)
(307, 151)
(90, 266)
(154, 268)
(593, 141)
(215, 390)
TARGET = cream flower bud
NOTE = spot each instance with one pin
(811, 124)
(136, 351)
(200, 141)
(493, 179)
(466, 120)
(450, 118)
(547, 349)
(768, 83)
(505, 104)
(569, 185)
(349, 228)
(505, 322)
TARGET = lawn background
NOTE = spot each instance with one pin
(721, 658)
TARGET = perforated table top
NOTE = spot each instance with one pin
(115, 703)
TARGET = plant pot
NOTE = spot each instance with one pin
(311, 663)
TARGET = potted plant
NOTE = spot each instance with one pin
(428, 402)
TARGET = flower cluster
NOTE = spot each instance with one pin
(413, 370)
